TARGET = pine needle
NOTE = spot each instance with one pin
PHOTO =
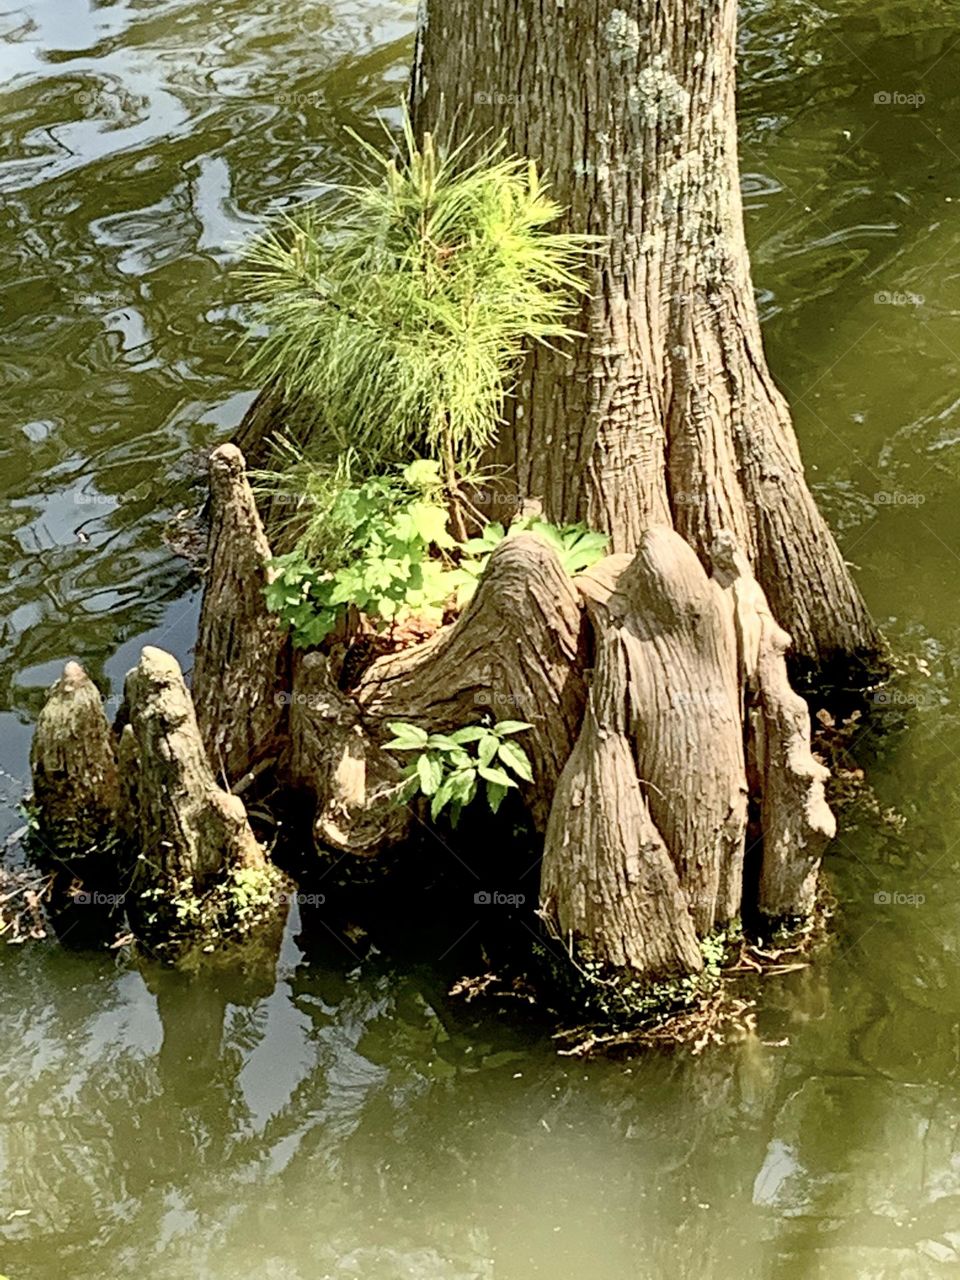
(399, 307)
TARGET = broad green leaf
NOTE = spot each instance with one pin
(504, 727)
(548, 533)
(441, 797)
(495, 795)
(516, 759)
(464, 785)
(424, 473)
(406, 737)
(471, 733)
(430, 523)
(430, 774)
(497, 776)
(487, 748)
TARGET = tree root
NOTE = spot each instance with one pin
(657, 699)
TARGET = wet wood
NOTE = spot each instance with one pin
(73, 763)
(183, 824)
(242, 669)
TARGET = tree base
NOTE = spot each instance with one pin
(659, 706)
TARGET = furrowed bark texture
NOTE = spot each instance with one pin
(667, 413)
(351, 779)
(183, 824)
(795, 818)
(73, 761)
(517, 653)
(607, 878)
(644, 850)
(242, 668)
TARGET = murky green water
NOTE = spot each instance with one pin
(351, 1121)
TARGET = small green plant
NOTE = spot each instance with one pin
(390, 556)
(385, 549)
(627, 1001)
(451, 768)
(231, 908)
(398, 307)
(577, 547)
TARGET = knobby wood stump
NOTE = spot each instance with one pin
(659, 703)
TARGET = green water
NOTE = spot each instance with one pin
(351, 1120)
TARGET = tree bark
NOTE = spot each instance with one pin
(517, 652)
(73, 761)
(336, 761)
(185, 826)
(666, 412)
(242, 669)
(795, 818)
(200, 873)
(644, 852)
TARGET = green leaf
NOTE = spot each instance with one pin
(515, 758)
(441, 798)
(504, 727)
(430, 773)
(464, 785)
(430, 523)
(549, 534)
(475, 546)
(406, 737)
(495, 796)
(497, 776)
(487, 748)
(472, 733)
(424, 473)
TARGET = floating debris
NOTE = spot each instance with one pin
(23, 892)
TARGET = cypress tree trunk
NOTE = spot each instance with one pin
(666, 413)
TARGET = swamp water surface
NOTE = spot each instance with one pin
(351, 1121)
